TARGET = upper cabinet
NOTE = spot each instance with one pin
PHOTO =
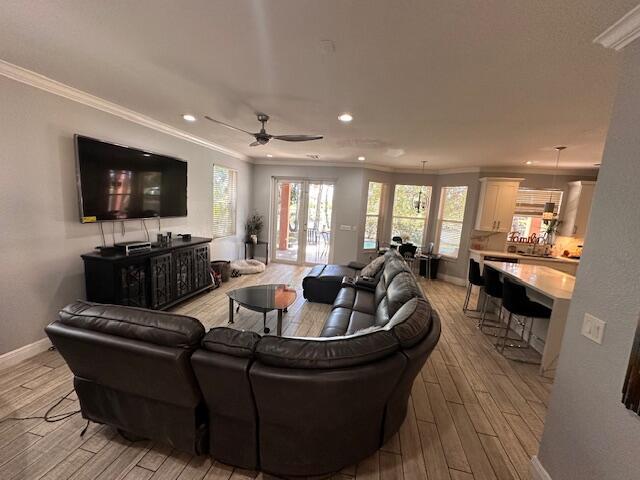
(497, 203)
(576, 209)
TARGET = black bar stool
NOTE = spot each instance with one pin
(493, 293)
(475, 279)
(516, 302)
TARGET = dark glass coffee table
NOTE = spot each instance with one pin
(263, 298)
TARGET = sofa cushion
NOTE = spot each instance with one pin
(155, 327)
(412, 322)
(317, 353)
(359, 321)
(346, 297)
(372, 269)
(355, 299)
(402, 288)
(237, 343)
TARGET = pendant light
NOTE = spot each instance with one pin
(549, 207)
(419, 204)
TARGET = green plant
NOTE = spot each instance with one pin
(254, 224)
(552, 226)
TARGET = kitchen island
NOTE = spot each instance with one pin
(564, 264)
(551, 288)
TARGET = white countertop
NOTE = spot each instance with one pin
(544, 280)
(496, 253)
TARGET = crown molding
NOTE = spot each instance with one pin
(593, 172)
(49, 85)
(621, 33)
(292, 162)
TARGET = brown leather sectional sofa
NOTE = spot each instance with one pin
(287, 406)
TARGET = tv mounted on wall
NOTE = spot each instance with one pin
(116, 182)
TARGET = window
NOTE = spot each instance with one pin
(452, 203)
(372, 216)
(527, 218)
(224, 201)
(407, 222)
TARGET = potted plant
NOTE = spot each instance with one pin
(551, 230)
(254, 227)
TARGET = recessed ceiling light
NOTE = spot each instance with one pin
(361, 158)
(345, 117)
(597, 164)
(146, 154)
(188, 117)
(529, 162)
(269, 155)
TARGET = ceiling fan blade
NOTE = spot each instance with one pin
(297, 138)
(255, 144)
(228, 126)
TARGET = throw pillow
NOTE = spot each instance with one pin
(373, 268)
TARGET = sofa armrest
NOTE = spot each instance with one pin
(366, 283)
(348, 282)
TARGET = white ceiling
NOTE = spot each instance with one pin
(453, 82)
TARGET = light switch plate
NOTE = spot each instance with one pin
(345, 227)
(593, 328)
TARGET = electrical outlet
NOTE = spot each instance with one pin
(593, 328)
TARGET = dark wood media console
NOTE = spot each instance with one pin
(157, 279)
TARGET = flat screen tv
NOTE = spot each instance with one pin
(121, 183)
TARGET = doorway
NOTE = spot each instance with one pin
(303, 221)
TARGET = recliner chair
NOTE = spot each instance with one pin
(132, 370)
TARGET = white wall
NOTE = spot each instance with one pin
(348, 200)
(41, 238)
(589, 435)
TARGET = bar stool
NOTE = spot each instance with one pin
(516, 302)
(475, 279)
(493, 293)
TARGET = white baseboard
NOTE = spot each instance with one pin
(451, 279)
(23, 353)
(537, 470)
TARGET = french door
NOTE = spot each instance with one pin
(302, 221)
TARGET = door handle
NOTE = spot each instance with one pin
(498, 224)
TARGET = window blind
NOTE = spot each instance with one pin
(453, 202)
(372, 216)
(224, 201)
(531, 202)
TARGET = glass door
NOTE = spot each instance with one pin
(287, 220)
(303, 213)
(318, 224)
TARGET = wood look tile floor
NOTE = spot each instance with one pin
(472, 413)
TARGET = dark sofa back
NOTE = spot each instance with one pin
(132, 370)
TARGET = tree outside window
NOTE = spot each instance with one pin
(407, 221)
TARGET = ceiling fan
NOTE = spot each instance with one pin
(262, 137)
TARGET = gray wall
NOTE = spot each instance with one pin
(348, 200)
(41, 238)
(589, 435)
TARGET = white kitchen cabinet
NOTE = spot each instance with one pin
(497, 203)
(576, 209)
